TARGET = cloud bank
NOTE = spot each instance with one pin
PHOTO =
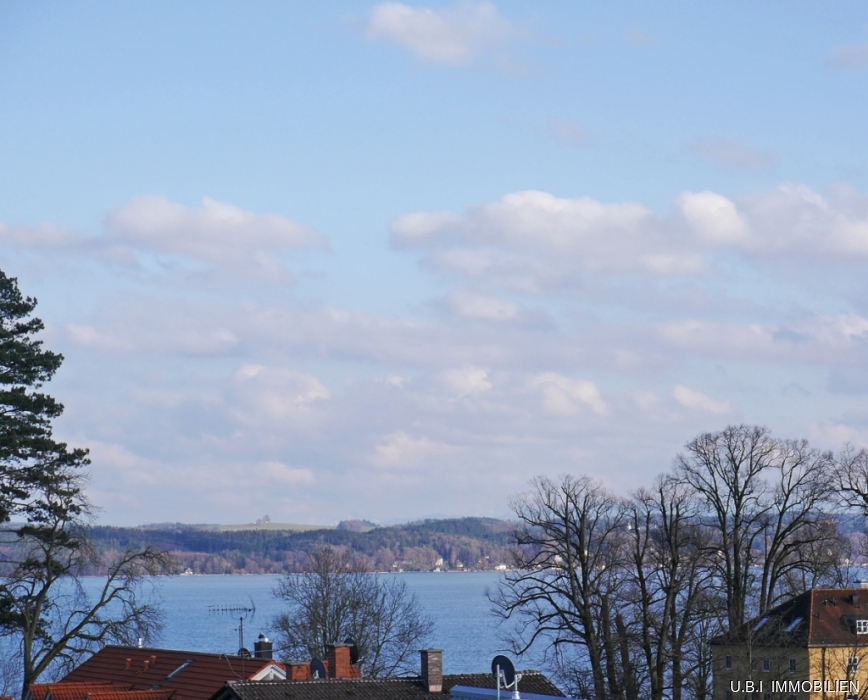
(569, 334)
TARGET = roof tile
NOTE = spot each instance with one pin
(818, 617)
(166, 669)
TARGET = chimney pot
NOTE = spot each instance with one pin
(147, 663)
(129, 663)
(153, 660)
(432, 669)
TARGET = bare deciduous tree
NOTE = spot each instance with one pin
(570, 541)
(626, 594)
(338, 597)
(851, 477)
(670, 576)
(763, 499)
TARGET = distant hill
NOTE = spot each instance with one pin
(259, 525)
(357, 525)
(469, 544)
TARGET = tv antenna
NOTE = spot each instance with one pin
(505, 675)
(243, 612)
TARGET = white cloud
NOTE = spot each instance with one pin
(90, 337)
(467, 380)
(529, 236)
(131, 469)
(159, 330)
(832, 434)
(562, 395)
(795, 220)
(216, 232)
(646, 401)
(276, 394)
(402, 451)
(715, 218)
(211, 243)
(700, 402)
(733, 154)
(537, 243)
(482, 307)
(43, 237)
(277, 471)
(451, 36)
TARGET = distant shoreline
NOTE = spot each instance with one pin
(447, 546)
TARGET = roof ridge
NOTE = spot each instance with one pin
(363, 679)
(215, 654)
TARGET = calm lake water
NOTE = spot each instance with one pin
(464, 627)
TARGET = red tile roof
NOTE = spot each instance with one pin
(131, 695)
(191, 675)
(64, 691)
(818, 617)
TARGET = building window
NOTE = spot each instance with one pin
(767, 696)
(861, 626)
(792, 665)
(793, 697)
(753, 665)
(729, 695)
(727, 662)
(853, 664)
(767, 664)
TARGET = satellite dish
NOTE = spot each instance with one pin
(317, 669)
(507, 670)
(354, 650)
(244, 652)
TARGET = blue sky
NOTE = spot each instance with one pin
(386, 261)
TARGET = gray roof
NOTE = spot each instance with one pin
(374, 688)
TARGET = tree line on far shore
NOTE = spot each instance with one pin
(471, 544)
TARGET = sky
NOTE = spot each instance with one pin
(389, 261)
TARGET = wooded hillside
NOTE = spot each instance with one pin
(462, 543)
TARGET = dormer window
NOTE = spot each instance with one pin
(861, 626)
(795, 623)
(760, 622)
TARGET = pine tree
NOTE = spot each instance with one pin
(48, 622)
(30, 459)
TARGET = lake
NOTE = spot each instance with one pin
(464, 627)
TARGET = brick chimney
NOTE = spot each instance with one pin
(432, 669)
(298, 671)
(338, 656)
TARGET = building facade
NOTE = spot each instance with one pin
(812, 647)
